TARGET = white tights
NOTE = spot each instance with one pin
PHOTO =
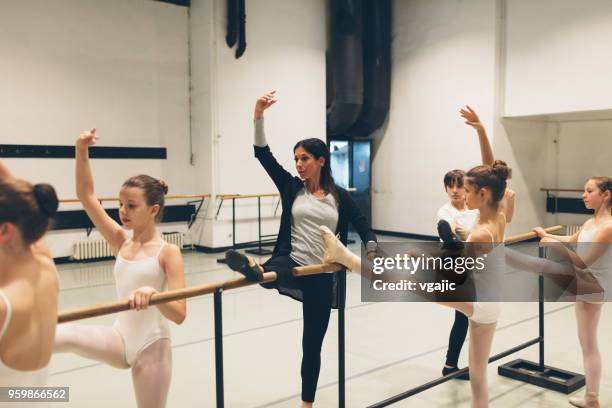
(151, 372)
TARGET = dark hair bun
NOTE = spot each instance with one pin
(46, 198)
(501, 170)
(164, 186)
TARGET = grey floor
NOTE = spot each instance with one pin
(390, 348)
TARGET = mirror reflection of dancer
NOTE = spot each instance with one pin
(461, 221)
(28, 281)
(309, 201)
(593, 261)
(485, 187)
(145, 265)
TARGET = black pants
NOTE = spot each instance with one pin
(456, 338)
(315, 292)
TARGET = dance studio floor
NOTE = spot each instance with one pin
(390, 348)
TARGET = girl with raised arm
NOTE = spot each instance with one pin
(484, 189)
(145, 265)
(455, 217)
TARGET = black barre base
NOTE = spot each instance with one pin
(551, 378)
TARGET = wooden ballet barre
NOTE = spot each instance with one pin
(240, 196)
(530, 235)
(162, 297)
(172, 197)
(333, 267)
(562, 190)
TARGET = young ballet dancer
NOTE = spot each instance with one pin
(28, 281)
(593, 258)
(145, 265)
(484, 189)
(310, 200)
(461, 221)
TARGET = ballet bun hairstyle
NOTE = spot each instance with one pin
(604, 184)
(154, 190)
(492, 177)
(30, 207)
(319, 149)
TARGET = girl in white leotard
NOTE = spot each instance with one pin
(140, 338)
(28, 281)
(485, 186)
(593, 258)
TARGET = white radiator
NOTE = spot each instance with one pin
(99, 249)
(572, 229)
(91, 249)
(175, 238)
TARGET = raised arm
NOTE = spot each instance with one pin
(110, 230)
(472, 119)
(277, 173)
(506, 205)
(263, 103)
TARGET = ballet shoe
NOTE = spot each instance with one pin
(448, 237)
(240, 263)
(336, 252)
(589, 400)
(449, 370)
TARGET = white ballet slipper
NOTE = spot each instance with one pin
(336, 252)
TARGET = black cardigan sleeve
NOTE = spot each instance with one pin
(359, 221)
(277, 173)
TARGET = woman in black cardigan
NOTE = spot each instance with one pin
(311, 200)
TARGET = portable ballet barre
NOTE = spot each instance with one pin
(533, 373)
(259, 250)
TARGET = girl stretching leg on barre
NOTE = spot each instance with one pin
(485, 187)
(145, 265)
(310, 200)
(455, 218)
(593, 259)
(28, 281)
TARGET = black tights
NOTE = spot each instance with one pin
(315, 292)
(456, 338)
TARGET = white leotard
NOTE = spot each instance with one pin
(10, 376)
(486, 285)
(601, 269)
(140, 329)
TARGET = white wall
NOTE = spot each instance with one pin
(515, 61)
(285, 51)
(443, 58)
(529, 149)
(558, 56)
(118, 65)
(583, 151)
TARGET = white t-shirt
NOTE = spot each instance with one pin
(466, 219)
(307, 214)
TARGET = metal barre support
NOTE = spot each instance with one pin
(219, 347)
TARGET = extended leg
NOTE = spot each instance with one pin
(100, 343)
